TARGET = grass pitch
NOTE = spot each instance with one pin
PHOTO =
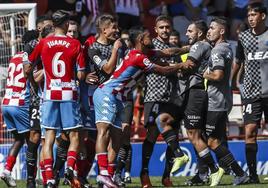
(156, 181)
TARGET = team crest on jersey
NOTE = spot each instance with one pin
(97, 59)
(146, 62)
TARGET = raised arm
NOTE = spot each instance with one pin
(110, 66)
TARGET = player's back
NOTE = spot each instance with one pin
(59, 55)
(17, 93)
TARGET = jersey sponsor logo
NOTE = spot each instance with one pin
(97, 59)
(215, 57)
(56, 83)
(194, 48)
(146, 62)
(257, 55)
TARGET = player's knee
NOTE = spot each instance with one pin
(193, 135)
(213, 143)
(35, 137)
(62, 143)
(251, 132)
(164, 121)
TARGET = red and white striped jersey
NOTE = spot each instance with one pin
(61, 56)
(127, 74)
(17, 88)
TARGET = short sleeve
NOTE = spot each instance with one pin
(145, 63)
(218, 60)
(36, 52)
(197, 51)
(239, 52)
(97, 58)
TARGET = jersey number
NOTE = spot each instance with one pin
(14, 80)
(247, 108)
(35, 113)
(58, 66)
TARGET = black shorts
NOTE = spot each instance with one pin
(35, 118)
(253, 109)
(196, 109)
(153, 109)
(216, 124)
(127, 113)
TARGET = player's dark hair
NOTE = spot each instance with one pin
(202, 26)
(104, 20)
(163, 18)
(257, 7)
(73, 22)
(175, 33)
(134, 34)
(29, 35)
(47, 30)
(221, 20)
(42, 18)
(60, 17)
(125, 32)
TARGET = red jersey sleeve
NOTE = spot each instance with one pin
(144, 63)
(36, 52)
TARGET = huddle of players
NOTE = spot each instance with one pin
(201, 96)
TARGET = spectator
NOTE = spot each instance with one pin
(130, 12)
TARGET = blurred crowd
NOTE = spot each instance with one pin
(143, 12)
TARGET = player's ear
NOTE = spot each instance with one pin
(200, 33)
(222, 31)
(263, 16)
(155, 30)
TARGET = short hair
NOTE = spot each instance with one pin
(163, 18)
(73, 22)
(125, 32)
(257, 7)
(42, 18)
(104, 20)
(29, 36)
(201, 25)
(59, 17)
(175, 33)
(47, 30)
(221, 20)
(134, 33)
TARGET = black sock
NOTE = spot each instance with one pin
(201, 165)
(251, 152)
(147, 150)
(169, 162)
(226, 158)
(207, 158)
(61, 155)
(171, 139)
(129, 159)
(31, 158)
(122, 155)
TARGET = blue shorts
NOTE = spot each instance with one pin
(60, 115)
(88, 119)
(17, 118)
(107, 108)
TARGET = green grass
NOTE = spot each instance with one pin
(177, 181)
